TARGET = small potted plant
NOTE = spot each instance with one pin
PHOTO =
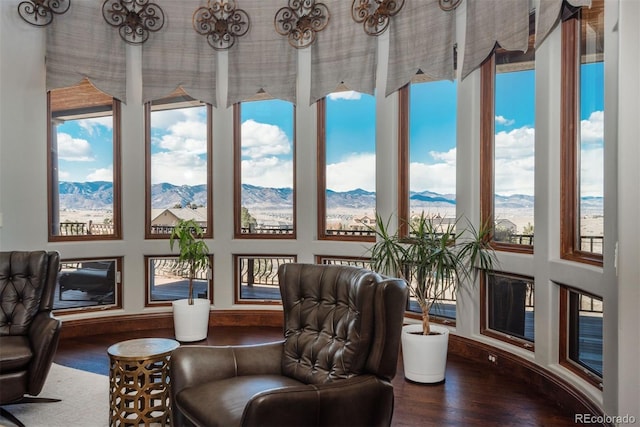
(435, 258)
(190, 316)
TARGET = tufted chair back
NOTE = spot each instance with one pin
(23, 278)
(336, 323)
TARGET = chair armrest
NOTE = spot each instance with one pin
(44, 334)
(364, 400)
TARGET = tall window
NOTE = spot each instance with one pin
(508, 144)
(346, 166)
(581, 334)
(178, 149)
(264, 197)
(582, 216)
(84, 164)
(428, 151)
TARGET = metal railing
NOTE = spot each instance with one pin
(261, 270)
(170, 267)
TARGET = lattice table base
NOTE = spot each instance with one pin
(139, 386)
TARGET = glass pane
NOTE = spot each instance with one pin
(258, 276)
(511, 309)
(432, 149)
(267, 167)
(591, 193)
(168, 280)
(86, 283)
(179, 166)
(350, 143)
(514, 153)
(587, 341)
(82, 176)
(444, 306)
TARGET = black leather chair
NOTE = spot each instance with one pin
(342, 329)
(28, 332)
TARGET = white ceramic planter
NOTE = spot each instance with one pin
(424, 356)
(191, 322)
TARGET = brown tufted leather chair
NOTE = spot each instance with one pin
(342, 330)
(28, 332)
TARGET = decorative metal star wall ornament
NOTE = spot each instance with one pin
(135, 19)
(40, 12)
(301, 20)
(221, 22)
(448, 5)
(375, 14)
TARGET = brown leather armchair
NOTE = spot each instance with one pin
(28, 332)
(342, 330)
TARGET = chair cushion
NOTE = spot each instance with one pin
(15, 353)
(222, 403)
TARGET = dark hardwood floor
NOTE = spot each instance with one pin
(470, 396)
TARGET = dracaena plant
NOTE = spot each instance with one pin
(194, 253)
(434, 259)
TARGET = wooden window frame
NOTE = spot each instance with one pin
(166, 303)
(487, 155)
(569, 167)
(567, 318)
(75, 103)
(321, 180)
(208, 234)
(484, 313)
(237, 180)
(404, 154)
(117, 304)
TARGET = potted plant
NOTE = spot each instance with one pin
(434, 259)
(190, 316)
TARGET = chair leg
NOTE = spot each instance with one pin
(8, 415)
(27, 399)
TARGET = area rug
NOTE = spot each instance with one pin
(85, 401)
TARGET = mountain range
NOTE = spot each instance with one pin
(99, 195)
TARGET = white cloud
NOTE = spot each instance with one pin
(178, 168)
(102, 174)
(74, 149)
(185, 136)
(439, 177)
(185, 140)
(514, 161)
(592, 129)
(358, 170)
(92, 126)
(515, 143)
(268, 172)
(504, 121)
(164, 119)
(348, 95)
(262, 140)
(592, 172)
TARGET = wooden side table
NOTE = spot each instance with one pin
(139, 382)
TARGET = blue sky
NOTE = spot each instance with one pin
(85, 150)
(179, 140)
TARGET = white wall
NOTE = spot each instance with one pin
(23, 195)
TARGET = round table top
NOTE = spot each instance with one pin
(142, 348)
